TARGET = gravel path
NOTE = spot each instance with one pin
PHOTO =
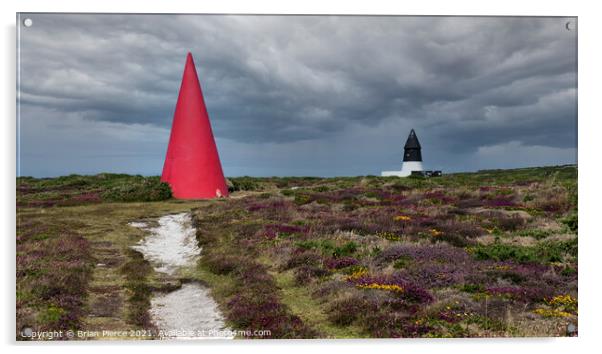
(189, 312)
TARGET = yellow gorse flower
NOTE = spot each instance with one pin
(388, 287)
(435, 232)
(551, 313)
(563, 300)
(563, 306)
(402, 218)
(502, 267)
(389, 235)
(357, 274)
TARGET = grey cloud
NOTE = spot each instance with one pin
(462, 82)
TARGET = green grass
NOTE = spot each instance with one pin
(301, 303)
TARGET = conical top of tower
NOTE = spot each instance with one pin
(412, 142)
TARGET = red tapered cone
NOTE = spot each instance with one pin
(192, 166)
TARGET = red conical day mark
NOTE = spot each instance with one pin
(192, 166)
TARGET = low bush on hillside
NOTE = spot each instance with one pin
(78, 190)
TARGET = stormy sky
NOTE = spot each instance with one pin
(298, 95)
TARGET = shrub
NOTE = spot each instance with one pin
(566, 302)
(472, 288)
(571, 221)
(341, 262)
(301, 199)
(53, 270)
(306, 273)
(553, 251)
(435, 275)
(388, 324)
(535, 233)
(469, 203)
(432, 254)
(249, 229)
(544, 252)
(510, 223)
(453, 239)
(503, 252)
(395, 283)
(402, 262)
(345, 311)
(51, 315)
(500, 201)
(521, 293)
(222, 264)
(256, 305)
(345, 250)
(303, 257)
(244, 183)
(252, 312)
(307, 244)
(151, 189)
(282, 230)
(321, 189)
(554, 200)
(136, 270)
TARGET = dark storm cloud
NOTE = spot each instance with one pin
(465, 83)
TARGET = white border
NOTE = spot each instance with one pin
(589, 160)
